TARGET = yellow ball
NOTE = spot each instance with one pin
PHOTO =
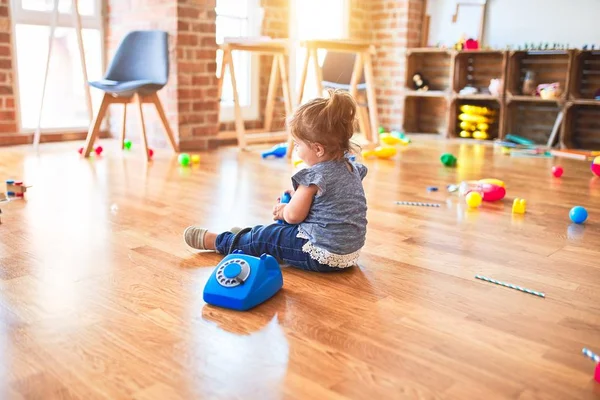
(195, 159)
(465, 134)
(596, 160)
(473, 199)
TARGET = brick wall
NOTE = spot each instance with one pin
(396, 25)
(361, 24)
(197, 81)
(8, 115)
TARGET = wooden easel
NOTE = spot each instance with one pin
(364, 51)
(77, 25)
(278, 48)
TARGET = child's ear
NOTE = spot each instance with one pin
(319, 149)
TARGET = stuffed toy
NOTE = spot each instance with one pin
(420, 84)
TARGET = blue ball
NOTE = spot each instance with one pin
(578, 214)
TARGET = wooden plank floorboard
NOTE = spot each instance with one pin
(101, 299)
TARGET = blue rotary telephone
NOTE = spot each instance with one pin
(241, 281)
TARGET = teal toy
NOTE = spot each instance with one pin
(519, 140)
(448, 160)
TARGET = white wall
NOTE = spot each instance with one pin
(514, 22)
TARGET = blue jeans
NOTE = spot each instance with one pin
(277, 240)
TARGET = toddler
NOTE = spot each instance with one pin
(325, 220)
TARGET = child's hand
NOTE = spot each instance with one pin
(289, 191)
(278, 211)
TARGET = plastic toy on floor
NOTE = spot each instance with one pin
(241, 282)
(278, 151)
(394, 138)
(380, 152)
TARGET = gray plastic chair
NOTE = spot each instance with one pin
(337, 74)
(141, 65)
(337, 71)
(139, 69)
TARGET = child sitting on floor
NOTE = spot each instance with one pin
(325, 220)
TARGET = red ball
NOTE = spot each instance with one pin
(150, 153)
(80, 151)
(595, 169)
(557, 171)
(98, 150)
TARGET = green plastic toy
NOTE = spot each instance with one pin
(127, 144)
(448, 160)
(381, 130)
(184, 159)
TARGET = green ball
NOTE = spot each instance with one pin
(381, 130)
(127, 144)
(184, 159)
(448, 160)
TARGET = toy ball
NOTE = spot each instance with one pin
(98, 150)
(448, 160)
(595, 166)
(492, 192)
(195, 159)
(381, 129)
(127, 144)
(473, 199)
(578, 214)
(80, 151)
(150, 153)
(184, 159)
(557, 171)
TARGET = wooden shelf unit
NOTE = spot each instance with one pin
(530, 116)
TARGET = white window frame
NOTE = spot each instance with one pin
(19, 15)
(251, 111)
(293, 33)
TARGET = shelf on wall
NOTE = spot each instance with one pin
(532, 99)
(436, 111)
(581, 127)
(425, 115)
(585, 75)
(428, 93)
(478, 96)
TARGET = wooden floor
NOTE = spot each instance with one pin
(100, 298)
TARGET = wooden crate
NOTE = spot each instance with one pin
(581, 127)
(585, 75)
(425, 115)
(494, 130)
(434, 66)
(549, 66)
(477, 69)
(531, 119)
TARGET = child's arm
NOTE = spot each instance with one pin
(298, 208)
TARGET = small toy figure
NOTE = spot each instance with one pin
(519, 206)
(420, 83)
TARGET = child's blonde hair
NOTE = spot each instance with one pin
(327, 121)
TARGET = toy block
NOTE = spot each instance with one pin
(15, 188)
(519, 206)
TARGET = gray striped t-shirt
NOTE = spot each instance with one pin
(336, 224)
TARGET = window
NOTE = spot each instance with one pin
(65, 105)
(239, 18)
(315, 19)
